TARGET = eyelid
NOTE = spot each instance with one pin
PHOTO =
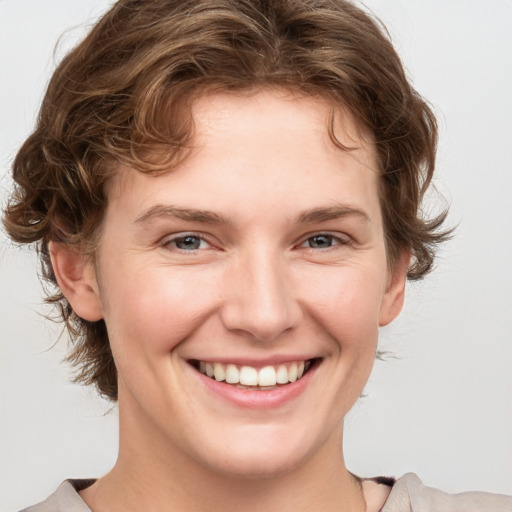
(342, 238)
(168, 239)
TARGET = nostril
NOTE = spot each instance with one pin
(263, 313)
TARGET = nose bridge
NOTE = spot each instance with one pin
(261, 299)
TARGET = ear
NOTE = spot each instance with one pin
(76, 278)
(394, 295)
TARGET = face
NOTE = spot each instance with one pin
(260, 258)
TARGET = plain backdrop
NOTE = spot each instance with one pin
(442, 407)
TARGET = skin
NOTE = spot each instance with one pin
(256, 287)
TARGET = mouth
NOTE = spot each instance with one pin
(247, 377)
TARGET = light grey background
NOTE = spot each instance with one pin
(443, 408)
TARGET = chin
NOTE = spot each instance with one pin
(259, 453)
(257, 466)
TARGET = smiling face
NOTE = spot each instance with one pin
(261, 260)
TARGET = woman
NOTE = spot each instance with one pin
(227, 196)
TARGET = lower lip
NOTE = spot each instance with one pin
(263, 399)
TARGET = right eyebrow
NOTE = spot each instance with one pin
(187, 214)
(331, 213)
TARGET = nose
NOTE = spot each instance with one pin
(259, 297)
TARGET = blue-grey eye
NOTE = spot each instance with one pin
(188, 243)
(321, 241)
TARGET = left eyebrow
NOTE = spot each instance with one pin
(187, 214)
(330, 213)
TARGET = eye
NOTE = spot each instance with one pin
(323, 241)
(186, 242)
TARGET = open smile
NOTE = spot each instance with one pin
(269, 385)
(248, 376)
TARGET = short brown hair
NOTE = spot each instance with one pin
(120, 95)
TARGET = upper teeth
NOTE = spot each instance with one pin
(250, 376)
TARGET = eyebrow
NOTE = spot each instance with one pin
(188, 214)
(209, 217)
(331, 213)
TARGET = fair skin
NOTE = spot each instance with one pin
(287, 266)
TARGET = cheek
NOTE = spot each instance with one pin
(346, 302)
(154, 311)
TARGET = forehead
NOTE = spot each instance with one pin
(268, 141)
(268, 113)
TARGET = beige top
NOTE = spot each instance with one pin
(408, 495)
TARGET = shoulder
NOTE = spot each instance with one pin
(409, 494)
(64, 499)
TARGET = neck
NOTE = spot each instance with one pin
(152, 475)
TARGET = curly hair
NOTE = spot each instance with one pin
(124, 94)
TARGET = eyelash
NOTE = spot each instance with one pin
(338, 241)
(182, 236)
(335, 238)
